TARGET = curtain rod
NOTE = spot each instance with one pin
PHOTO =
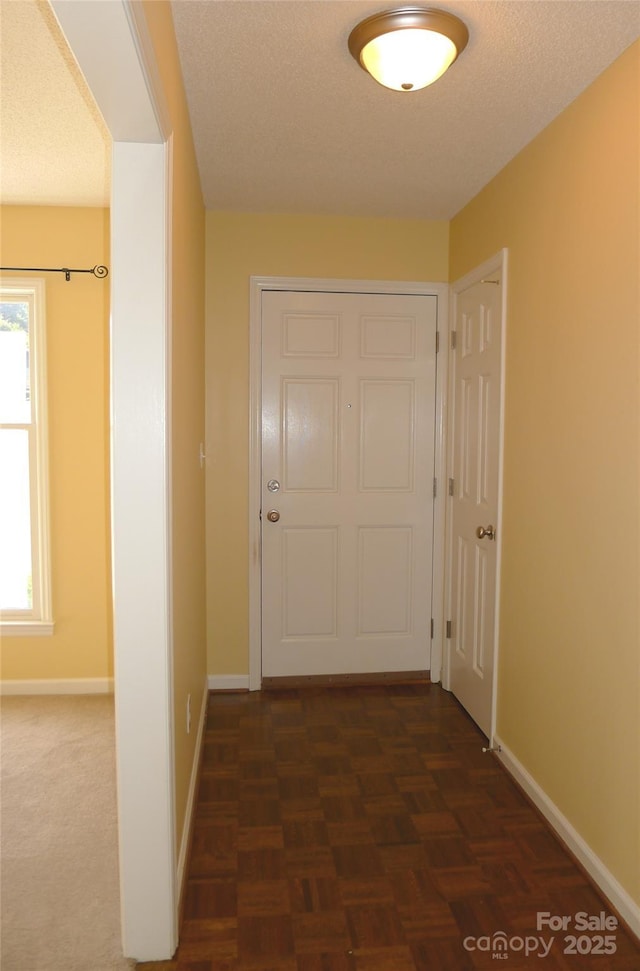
(99, 271)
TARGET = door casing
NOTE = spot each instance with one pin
(498, 262)
(260, 284)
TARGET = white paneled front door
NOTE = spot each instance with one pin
(348, 427)
(476, 396)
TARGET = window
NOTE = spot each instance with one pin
(25, 589)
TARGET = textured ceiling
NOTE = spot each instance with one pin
(284, 120)
(54, 147)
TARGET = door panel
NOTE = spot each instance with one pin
(309, 562)
(385, 579)
(311, 435)
(476, 387)
(348, 430)
(387, 435)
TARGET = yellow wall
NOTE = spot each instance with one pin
(244, 245)
(568, 209)
(78, 412)
(187, 410)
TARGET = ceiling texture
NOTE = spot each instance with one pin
(284, 120)
(54, 146)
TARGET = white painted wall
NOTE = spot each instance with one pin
(115, 55)
(140, 550)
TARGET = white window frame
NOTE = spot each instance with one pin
(38, 620)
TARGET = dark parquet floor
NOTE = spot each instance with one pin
(363, 829)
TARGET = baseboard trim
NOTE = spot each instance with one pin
(616, 895)
(345, 680)
(228, 682)
(187, 828)
(57, 686)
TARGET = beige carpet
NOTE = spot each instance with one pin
(59, 865)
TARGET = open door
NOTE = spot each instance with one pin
(476, 393)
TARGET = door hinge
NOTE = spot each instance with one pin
(449, 627)
(454, 340)
(437, 341)
(432, 628)
(435, 487)
(451, 487)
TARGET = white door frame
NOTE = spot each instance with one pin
(112, 46)
(258, 285)
(496, 263)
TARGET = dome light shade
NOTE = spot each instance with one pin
(408, 48)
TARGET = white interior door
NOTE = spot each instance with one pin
(348, 429)
(476, 393)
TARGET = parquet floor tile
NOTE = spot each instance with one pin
(363, 829)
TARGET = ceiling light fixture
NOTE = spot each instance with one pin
(408, 48)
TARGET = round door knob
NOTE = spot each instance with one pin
(273, 515)
(488, 531)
